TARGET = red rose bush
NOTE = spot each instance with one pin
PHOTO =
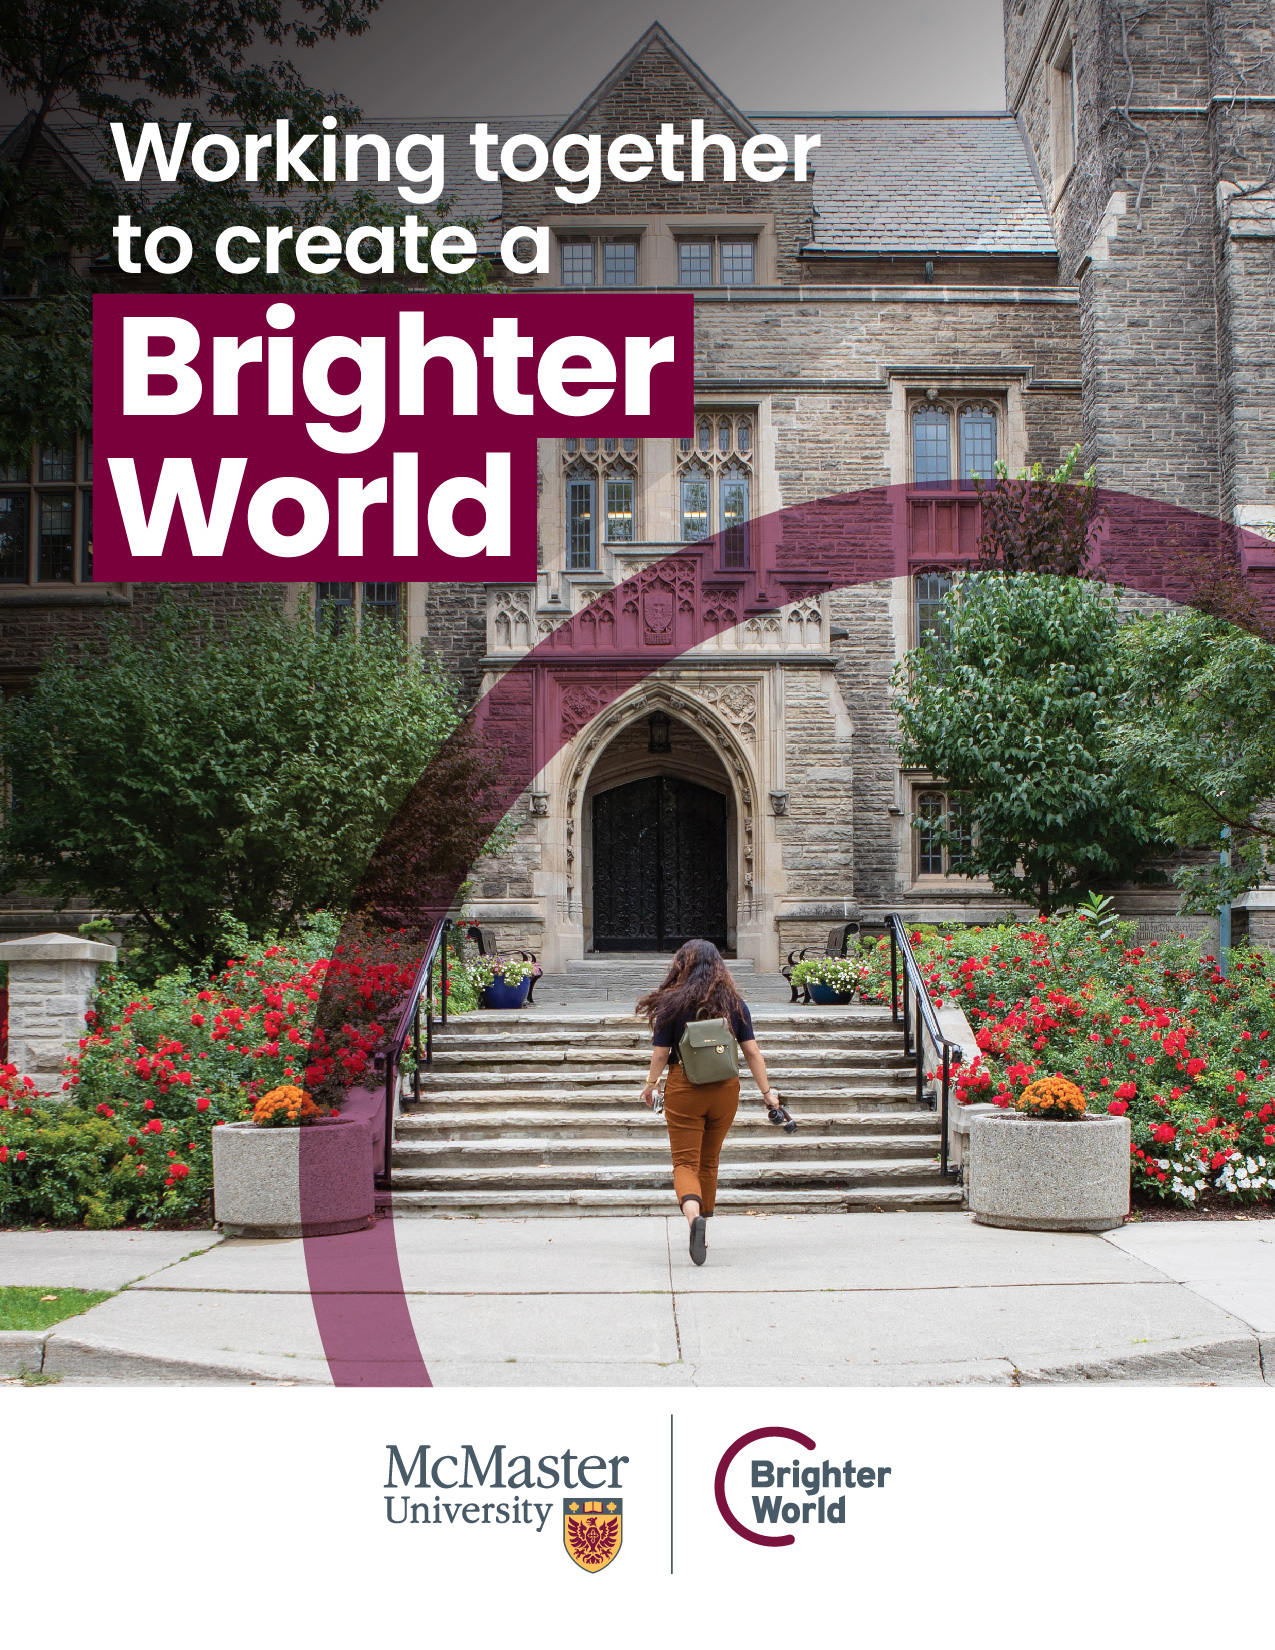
(1154, 1032)
(157, 1070)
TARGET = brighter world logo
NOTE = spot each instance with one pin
(797, 1493)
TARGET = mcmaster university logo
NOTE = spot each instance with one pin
(591, 1531)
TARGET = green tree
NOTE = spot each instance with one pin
(1013, 711)
(242, 769)
(1196, 732)
(96, 61)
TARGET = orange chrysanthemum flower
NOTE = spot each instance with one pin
(1053, 1098)
(285, 1106)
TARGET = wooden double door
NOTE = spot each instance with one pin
(659, 865)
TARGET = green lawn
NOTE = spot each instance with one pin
(41, 1308)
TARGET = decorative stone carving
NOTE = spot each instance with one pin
(735, 704)
(720, 609)
(779, 803)
(805, 625)
(580, 704)
(511, 623)
(539, 804)
(764, 632)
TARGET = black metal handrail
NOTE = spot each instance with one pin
(409, 1023)
(913, 984)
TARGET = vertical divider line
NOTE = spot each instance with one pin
(670, 1495)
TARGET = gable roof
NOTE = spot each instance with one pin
(657, 36)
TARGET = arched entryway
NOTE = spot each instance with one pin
(660, 826)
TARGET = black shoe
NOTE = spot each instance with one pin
(699, 1240)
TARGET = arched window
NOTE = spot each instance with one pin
(936, 812)
(715, 484)
(694, 504)
(930, 808)
(978, 441)
(734, 489)
(581, 492)
(620, 500)
(929, 590)
(600, 495)
(931, 445)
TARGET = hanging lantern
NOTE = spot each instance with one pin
(658, 724)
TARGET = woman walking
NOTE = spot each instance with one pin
(698, 986)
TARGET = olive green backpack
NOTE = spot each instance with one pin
(708, 1051)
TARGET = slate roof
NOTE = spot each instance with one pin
(923, 183)
(907, 183)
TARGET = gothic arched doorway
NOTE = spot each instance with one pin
(659, 865)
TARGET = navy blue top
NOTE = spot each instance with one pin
(668, 1033)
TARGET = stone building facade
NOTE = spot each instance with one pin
(1091, 265)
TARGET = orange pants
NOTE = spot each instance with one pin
(699, 1116)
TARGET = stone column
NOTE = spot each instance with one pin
(52, 978)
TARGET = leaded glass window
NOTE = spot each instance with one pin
(930, 589)
(978, 441)
(930, 808)
(715, 483)
(333, 607)
(380, 601)
(338, 605)
(939, 813)
(734, 494)
(57, 463)
(620, 510)
(57, 538)
(580, 495)
(694, 505)
(46, 516)
(931, 446)
(86, 540)
(15, 516)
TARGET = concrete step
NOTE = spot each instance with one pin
(623, 1097)
(774, 1019)
(794, 1057)
(538, 1035)
(460, 1124)
(558, 1075)
(532, 1152)
(523, 1116)
(840, 1172)
(525, 1204)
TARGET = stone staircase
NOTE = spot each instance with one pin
(536, 1113)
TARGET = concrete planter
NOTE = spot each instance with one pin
(1049, 1177)
(305, 1182)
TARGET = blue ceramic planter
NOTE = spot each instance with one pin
(828, 995)
(500, 995)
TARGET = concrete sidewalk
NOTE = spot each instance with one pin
(828, 1300)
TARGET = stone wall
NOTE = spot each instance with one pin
(1173, 270)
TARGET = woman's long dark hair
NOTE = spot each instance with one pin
(698, 984)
